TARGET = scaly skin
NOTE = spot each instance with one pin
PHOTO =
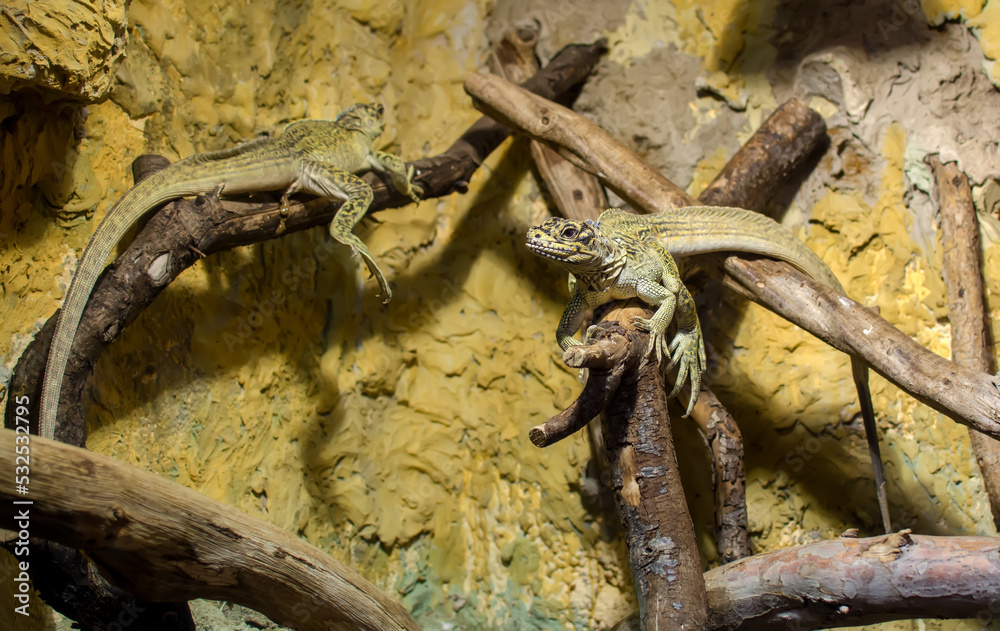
(618, 259)
(318, 157)
(605, 257)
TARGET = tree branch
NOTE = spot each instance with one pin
(162, 541)
(852, 582)
(967, 396)
(970, 345)
(645, 479)
(732, 536)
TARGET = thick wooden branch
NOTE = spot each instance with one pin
(852, 582)
(182, 232)
(970, 338)
(162, 541)
(965, 395)
(783, 144)
(732, 536)
(645, 479)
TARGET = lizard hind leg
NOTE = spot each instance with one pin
(333, 183)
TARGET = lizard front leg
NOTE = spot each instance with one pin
(570, 321)
(327, 181)
(687, 350)
(402, 178)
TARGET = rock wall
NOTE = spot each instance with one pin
(395, 436)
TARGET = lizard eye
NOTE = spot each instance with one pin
(569, 232)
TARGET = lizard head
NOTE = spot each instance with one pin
(363, 117)
(578, 246)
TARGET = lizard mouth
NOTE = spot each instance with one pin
(552, 251)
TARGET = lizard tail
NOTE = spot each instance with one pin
(704, 229)
(860, 371)
(149, 194)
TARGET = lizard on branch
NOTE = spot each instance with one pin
(318, 157)
(623, 255)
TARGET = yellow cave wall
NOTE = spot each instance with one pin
(395, 436)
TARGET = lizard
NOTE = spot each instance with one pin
(623, 255)
(319, 157)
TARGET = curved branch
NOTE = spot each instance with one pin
(163, 541)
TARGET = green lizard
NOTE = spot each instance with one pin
(624, 255)
(318, 157)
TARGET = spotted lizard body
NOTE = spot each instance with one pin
(624, 255)
(319, 157)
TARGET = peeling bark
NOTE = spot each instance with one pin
(851, 582)
(659, 534)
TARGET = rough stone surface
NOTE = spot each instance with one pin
(62, 49)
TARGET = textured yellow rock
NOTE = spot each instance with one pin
(68, 49)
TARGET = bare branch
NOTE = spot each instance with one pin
(163, 541)
(852, 582)
(970, 344)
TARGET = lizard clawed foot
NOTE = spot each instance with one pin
(358, 248)
(688, 354)
(413, 190)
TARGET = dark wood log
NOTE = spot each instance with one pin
(162, 541)
(970, 339)
(782, 144)
(966, 396)
(645, 479)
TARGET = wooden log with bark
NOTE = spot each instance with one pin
(846, 582)
(162, 542)
(645, 477)
(132, 520)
